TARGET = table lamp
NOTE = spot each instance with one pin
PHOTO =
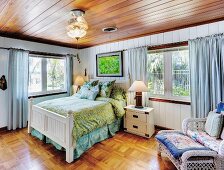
(79, 81)
(138, 87)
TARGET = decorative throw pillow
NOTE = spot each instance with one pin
(222, 134)
(106, 88)
(91, 83)
(118, 93)
(213, 124)
(222, 129)
(87, 84)
(220, 107)
(89, 93)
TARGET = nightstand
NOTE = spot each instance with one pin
(139, 121)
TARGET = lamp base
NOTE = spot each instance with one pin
(139, 107)
(138, 98)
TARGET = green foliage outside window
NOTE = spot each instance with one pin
(55, 74)
(180, 91)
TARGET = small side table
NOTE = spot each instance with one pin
(139, 121)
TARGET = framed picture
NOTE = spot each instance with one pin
(109, 64)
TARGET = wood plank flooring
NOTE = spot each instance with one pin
(19, 150)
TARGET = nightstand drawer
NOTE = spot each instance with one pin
(136, 116)
(136, 126)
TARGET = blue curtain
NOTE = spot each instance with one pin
(69, 72)
(18, 88)
(207, 73)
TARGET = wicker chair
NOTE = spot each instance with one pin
(196, 160)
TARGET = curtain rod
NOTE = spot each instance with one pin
(170, 45)
(155, 47)
(38, 52)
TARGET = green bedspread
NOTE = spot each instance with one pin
(88, 115)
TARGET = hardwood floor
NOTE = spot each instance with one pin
(19, 150)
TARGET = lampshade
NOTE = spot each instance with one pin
(138, 86)
(79, 80)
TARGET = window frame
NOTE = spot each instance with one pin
(168, 76)
(44, 91)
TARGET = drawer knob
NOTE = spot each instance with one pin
(134, 126)
(135, 116)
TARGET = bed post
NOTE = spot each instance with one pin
(69, 138)
(30, 110)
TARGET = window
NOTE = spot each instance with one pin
(169, 74)
(180, 73)
(46, 75)
(34, 74)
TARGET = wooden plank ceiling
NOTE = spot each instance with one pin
(46, 20)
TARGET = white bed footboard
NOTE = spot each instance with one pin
(54, 126)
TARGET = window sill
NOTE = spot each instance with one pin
(170, 101)
(46, 94)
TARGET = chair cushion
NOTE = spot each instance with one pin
(213, 125)
(178, 143)
(204, 139)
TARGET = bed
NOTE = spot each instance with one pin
(69, 122)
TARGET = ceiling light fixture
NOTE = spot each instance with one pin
(77, 27)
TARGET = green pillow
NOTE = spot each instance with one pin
(213, 125)
(106, 88)
(118, 93)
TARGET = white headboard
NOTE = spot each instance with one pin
(120, 82)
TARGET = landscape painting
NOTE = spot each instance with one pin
(109, 64)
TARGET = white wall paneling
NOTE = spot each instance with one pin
(147, 40)
(168, 37)
(202, 30)
(185, 112)
(193, 32)
(176, 36)
(154, 39)
(170, 115)
(213, 28)
(221, 26)
(184, 34)
(160, 39)
(159, 117)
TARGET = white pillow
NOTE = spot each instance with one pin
(213, 125)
